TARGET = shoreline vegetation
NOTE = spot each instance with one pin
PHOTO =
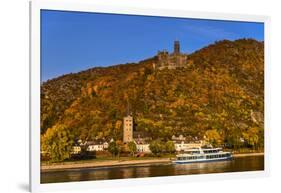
(113, 162)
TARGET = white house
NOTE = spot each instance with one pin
(179, 138)
(76, 149)
(97, 145)
(105, 145)
(182, 146)
(143, 148)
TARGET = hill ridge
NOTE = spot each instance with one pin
(221, 89)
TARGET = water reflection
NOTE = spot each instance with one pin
(143, 172)
(238, 164)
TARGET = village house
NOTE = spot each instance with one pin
(97, 145)
(179, 138)
(143, 148)
(183, 143)
(142, 145)
(76, 149)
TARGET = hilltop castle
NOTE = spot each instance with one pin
(171, 61)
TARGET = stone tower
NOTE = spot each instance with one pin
(128, 129)
(176, 47)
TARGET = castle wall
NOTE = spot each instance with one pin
(171, 61)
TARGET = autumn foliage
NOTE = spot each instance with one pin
(219, 95)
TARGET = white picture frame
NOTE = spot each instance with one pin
(36, 6)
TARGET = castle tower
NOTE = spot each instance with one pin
(128, 129)
(176, 47)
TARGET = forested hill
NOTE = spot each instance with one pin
(222, 89)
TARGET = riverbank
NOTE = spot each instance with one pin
(116, 162)
(248, 154)
(104, 163)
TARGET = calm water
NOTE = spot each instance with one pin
(239, 164)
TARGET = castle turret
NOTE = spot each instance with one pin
(176, 47)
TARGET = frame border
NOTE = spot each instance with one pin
(34, 98)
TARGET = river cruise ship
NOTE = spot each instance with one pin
(202, 155)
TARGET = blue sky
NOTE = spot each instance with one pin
(75, 41)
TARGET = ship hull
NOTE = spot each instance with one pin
(202, 160)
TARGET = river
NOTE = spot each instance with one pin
(238, 164)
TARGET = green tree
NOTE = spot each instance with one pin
(58, 142)
(120, 147)
(233, 138)
(170, 147)
(156, 147)
(213, 137)
(112, 148)
(132, 148)
(252, 137)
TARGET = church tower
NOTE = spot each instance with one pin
(128, 129)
